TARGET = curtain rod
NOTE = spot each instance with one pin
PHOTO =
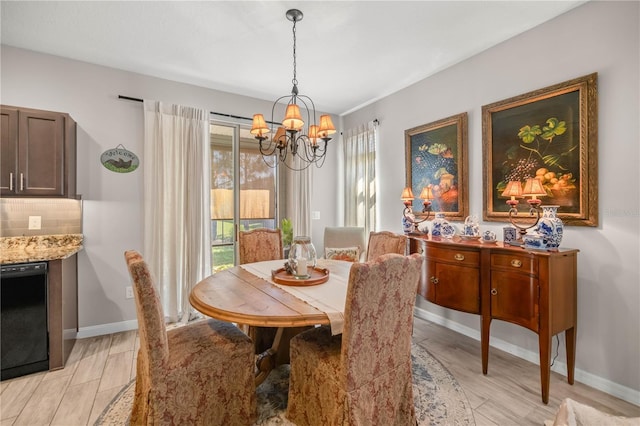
(128, 98)
(375, 122)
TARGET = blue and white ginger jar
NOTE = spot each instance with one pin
(550, 227)
(437, 224)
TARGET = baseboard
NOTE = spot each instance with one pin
(69, 334)
(619, 391)
(102, 329)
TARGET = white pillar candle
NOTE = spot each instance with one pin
(302, 267)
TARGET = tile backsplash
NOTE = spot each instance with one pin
(57, 216)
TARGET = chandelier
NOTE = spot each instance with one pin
(300, 134)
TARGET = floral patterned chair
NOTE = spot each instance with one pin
(362, 377)
(197, 374)
(259, 244)
(385, 242)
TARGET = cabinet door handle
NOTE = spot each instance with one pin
(459, 257)
(494, 291)
(21, 182)
(516, 263)
(434, 280)
(11, 181)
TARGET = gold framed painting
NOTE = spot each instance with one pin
(550, 134)
(436, 157)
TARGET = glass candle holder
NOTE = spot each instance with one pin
(302, 256)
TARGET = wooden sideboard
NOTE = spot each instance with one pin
(536, 289)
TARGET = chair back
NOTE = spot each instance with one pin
(340, 237)
(378, 315)
(154, 347)
(259, 244)
(384, 242)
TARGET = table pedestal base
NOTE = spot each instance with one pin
(277, 354)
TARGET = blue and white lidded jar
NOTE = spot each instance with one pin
(488, 236)
(437, 224)
(550, 227)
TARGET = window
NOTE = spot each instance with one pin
(360, 177)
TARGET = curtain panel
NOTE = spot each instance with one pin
(177, 240)
(360, 177)
(298, 197)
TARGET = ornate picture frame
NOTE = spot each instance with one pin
(436, 155)
(550, 134)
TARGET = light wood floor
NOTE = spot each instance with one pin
(100, 366)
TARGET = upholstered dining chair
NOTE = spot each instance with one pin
(197, 374)
(259, 244)
(385, 242)
(362, 377)
(344, 243)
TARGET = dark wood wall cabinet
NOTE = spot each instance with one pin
(534, 289)
(38, 153)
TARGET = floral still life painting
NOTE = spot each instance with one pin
(436, 158)
(550, 135)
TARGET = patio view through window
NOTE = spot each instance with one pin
(243, 190)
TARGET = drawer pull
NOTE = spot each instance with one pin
(494, 291)
(11, 181)
(516, 263)
(459, 257)
(434, 280)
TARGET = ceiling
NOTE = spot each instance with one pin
(349, 53)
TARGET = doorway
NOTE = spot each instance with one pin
(244, 190)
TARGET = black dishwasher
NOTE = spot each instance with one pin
(24, 341)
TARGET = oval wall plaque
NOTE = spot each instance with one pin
(119, 160)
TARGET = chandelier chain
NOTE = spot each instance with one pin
(295, 80)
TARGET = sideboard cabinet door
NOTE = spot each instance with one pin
(515, 292)
(452, 279)
(515, 298)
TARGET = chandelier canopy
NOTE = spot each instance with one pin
(299, 133)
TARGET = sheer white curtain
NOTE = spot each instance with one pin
(360, 177)
(299, 184)
(177, 243)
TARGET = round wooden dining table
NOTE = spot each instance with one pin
(236, 295)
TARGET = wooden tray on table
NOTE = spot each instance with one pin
(316, 276)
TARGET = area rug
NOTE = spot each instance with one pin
(438, 398)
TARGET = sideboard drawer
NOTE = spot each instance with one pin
(515, 262)
(454, 255)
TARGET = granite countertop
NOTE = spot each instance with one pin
(39, 248)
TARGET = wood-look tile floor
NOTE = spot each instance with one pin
(100, 366)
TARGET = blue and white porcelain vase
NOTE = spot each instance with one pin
(550, 227)
(437, 224)
(408, 222)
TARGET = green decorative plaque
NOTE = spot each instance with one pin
(119, 160)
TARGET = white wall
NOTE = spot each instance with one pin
(600, 37)
(112, 208)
